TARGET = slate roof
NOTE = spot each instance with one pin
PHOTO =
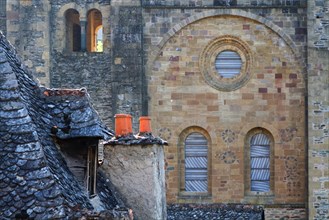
(214, 211)
(138, 139)
(34, 177)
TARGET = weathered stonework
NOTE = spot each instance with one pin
(127, 61)
(91, 70)
(150, 64)
(318, 109)
(30, 19)
(285, 213)
(207, 62)
(272, 99)
(3, 15)
(137, 172)
(203, 3)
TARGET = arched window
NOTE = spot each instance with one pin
(73, 30)
(196, 163)
(259, 162)
(94, 31)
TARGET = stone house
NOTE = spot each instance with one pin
(40, 130)
(239, 88)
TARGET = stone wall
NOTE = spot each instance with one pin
(127, 61)
(114, 78)
(28, 30)
(88, 70)
(162, 23)
(163, 39)
(184, 100)
(137, 172)
(318, 109)
(199, 3)
(285, 213)
(91, 70)
(3, 26)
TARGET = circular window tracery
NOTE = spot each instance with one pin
(225, 63)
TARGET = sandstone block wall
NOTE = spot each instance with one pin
(318, 109)
(285, 213)
(273, 99)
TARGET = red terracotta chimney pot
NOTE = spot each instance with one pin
(145, 124)
(123, 125)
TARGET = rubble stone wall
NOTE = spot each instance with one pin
(3, 26)
(113, 77)
(318, 109)
(199, 3)
(128, 87)
(91, 70)
(28, 31)
(137, 172)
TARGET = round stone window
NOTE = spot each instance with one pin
(228, 64)
(225, 63)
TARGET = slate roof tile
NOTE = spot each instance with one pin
(34, 177)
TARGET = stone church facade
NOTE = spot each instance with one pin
(253, 130)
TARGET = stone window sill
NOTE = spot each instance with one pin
(194, 197)
(259, 198)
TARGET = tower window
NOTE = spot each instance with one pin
(94, 31)
(73, 30)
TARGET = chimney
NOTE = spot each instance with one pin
(145, 125)
(123, 125)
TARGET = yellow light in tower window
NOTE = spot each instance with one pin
(99, 39)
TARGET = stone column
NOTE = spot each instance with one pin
(318, 108)
(83, 25)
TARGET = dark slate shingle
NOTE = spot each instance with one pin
(34, 177)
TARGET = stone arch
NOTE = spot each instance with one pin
(181, 155)
(95, 6)
(247, 162)
(94, 23)
(72, 30)
(60, 32)
(266, 126)
(72, 5)
(218, 12)
(83, 10)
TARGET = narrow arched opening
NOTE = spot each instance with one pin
(94, 31)
(73, 30)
